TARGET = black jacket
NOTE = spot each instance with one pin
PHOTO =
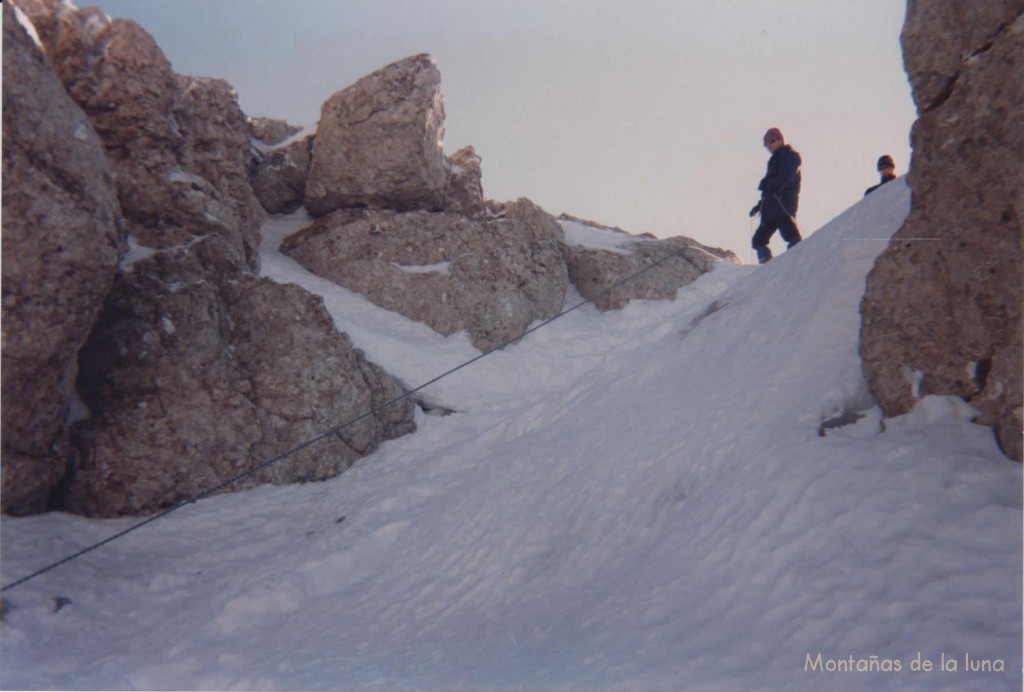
(885, 179)
(781, 182)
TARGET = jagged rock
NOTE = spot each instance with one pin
(218, 153)
(198, 371)
(465, 192)
(62, 238)
(529, 213)
(378, 143)
(270, 131)
(179, 146)
(491, 277)
(195, 369)
(593, 271)
(279, 177)
(942, 310)
(280, 165)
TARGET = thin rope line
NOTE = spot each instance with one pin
(312, 441)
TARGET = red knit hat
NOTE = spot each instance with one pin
(774, 133)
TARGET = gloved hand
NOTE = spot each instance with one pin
(755, 209)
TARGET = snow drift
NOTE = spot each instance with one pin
(695, 494)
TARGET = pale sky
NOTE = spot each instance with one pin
(645, 114)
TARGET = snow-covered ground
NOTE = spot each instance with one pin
(642, 499)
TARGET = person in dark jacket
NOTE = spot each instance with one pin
(887, 169)
(780, 194)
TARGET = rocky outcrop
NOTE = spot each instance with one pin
(465, 194)
(130, 243)
(215, 164)
(378, 143)
(270, 132)
(491, 274)
(666, 266)
(491, 277)
(527, 212)
(279, 176)
(62, 239)
(198, 371)
(373, 151)
(179, 146)
(942, 309)
(189, 369)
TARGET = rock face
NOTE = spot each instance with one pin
(942, 309)
(379, 143)
(673, 263)
(215, 165)
(465, 190)
(490, 277)
(62, 239)
(198, 371)
(179, 146)
(189, 369)
(279, 176)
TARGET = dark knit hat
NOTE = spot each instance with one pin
(774, 133)
(885, 162)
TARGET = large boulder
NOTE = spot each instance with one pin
(180, 146)
(216, 162)
(62, 239)
(379, 141)
(190, 369)
(280, 172)
(198, 371)
(279, 175)
(942, 309)
(489, 276)
(599, 258)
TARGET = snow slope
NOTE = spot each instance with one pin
(642, 499)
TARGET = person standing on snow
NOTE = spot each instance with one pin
(780, 193)
(888, 170)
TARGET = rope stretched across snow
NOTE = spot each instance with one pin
(338, 428)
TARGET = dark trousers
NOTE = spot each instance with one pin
(786, 227)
